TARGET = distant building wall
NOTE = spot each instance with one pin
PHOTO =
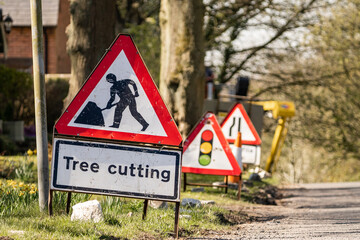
(19, 45)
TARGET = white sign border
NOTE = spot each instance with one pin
(175, 152)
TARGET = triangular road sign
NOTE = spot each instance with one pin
(206, 150)
(238, 121)
(120, 101)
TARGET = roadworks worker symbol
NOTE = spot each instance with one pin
(92, 114)
(120, 101)
(206, 150)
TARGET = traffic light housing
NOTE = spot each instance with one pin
(206, 147)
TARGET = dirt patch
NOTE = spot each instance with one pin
(233, 218)
(265, 195)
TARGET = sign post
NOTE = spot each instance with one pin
(40, 103)
(117, 137)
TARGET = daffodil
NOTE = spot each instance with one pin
(29, 152)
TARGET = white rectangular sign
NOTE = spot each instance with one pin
(113, 169)
(250, 154)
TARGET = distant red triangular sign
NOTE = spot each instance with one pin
(238, 121)
(206, 150)
(120, 101)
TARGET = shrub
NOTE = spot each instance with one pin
(56, 90)
(16, 96)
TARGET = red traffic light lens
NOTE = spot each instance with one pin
(207, 135)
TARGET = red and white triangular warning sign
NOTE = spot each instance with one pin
(206, 150)
(238, 121)
(120, 101)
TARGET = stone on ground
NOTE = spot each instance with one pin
(158, 204)
(87, 211)
(190, 202)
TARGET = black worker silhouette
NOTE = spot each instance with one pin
(122, 89)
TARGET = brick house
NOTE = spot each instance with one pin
(55, 17)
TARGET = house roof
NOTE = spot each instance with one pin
(19, 11)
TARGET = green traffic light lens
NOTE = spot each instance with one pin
(204, 160)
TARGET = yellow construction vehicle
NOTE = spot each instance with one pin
(282, 111)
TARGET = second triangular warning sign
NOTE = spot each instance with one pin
(120, 101)
(206, 150)
(238, 121)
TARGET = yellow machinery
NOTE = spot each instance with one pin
(282, 111)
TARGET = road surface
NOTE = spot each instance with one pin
(308, 211)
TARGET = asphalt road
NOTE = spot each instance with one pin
(308, 211)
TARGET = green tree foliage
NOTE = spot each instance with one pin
(336, 43)
(324, 82)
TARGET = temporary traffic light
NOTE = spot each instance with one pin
(206, 147)
(206, 150)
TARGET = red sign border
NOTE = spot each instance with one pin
(239, 106)
(209, 116)
(122, 42)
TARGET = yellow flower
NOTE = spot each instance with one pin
(21, 193)
(11, 182)
(8, 192)
(35, 151)
(32, 192)
(29, 152)
(21, 184)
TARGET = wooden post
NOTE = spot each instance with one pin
(40, 103)
(145, 208)
(68, 203)
(50, 209)
(176, 226)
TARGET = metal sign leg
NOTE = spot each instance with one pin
(176, 226)
(68, 202)
(226, 183)
(145, 208)
(184, 187)
(50, 203)
(239, 187)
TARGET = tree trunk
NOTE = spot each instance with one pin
(90, 33)
(182, 73)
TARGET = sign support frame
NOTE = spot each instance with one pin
(226, 185)
(162, 150)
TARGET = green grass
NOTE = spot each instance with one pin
(20, 217)
(28, 223)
